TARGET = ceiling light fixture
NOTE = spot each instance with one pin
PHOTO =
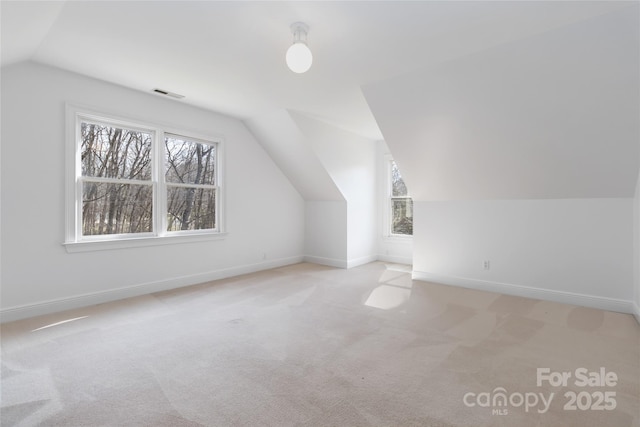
(299, 57)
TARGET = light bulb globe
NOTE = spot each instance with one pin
(299, 57)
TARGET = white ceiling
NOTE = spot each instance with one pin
(229, 56)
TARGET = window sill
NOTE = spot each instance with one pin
(139, 242)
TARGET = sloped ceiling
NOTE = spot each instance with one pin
(229, 57)
(347, 157)
(289, 147)
(556, 115)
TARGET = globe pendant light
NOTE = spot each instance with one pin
(299, 57)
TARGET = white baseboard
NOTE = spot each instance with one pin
(636, 311)
(395, 259)
(84, 300)
(604, 303)
(361, 261)
(331, 262)
(340, 263)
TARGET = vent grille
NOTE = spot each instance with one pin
(167, 93)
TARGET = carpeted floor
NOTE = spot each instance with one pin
(315, 346)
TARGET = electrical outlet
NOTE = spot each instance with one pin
(486, 265)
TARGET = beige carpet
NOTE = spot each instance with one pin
(314, 346)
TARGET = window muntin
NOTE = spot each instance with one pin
(134, 180)
(400, 204)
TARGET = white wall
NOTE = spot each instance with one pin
(525, 154)
(576, 251)
(350, 160)
(264, 212)
(326, 232)
(636, 251)
(325, 237)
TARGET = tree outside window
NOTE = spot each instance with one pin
(137, 181)
(401, 204)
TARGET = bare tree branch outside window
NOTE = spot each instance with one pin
(118, 185)
(117, 197)
(191, 179)
(401, 204)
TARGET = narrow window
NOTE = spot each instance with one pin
(400, 204)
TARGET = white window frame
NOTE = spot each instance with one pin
(76, 242)
(388, 198)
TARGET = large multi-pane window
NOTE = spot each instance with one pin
(400, 204)
(134, 180)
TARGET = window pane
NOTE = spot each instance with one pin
(112, 152)
(191, 208)
(402, 217)
(116, 208)
(189, 162)
(398, 188)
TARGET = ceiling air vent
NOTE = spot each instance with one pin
(167, 93)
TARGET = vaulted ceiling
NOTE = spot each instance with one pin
(229, 57)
